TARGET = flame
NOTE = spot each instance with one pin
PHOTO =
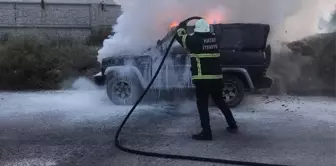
(174, 24)
(215, 16)
(212, 20)
(212, 17)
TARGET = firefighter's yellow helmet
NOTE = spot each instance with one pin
(202, 26)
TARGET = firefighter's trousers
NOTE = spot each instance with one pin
(204, 88)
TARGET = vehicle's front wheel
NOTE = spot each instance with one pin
(123, 89)
(233, 91)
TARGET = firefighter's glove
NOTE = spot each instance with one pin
(181, 32)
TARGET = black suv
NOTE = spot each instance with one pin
(245, 58)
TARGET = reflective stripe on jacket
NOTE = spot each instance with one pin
(205, 57)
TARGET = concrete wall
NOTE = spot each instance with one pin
(55, 18)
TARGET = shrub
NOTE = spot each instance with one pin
(32, 63)
(320, 73)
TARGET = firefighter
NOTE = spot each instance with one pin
(206, 74)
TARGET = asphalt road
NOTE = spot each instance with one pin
(76, 128)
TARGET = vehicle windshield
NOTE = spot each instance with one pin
(163, 43)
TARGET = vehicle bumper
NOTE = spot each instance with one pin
(99, 79)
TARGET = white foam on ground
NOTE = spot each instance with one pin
(83, 83)
(315, 108)
(32, 162)
(188, 107)
(94, 105)
(319, 108)
(74, 105)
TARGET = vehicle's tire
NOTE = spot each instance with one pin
(123, 89)
(233, 90)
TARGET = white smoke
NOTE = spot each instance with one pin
(327, 23)
(143, 22)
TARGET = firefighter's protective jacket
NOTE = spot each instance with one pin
(205, 57)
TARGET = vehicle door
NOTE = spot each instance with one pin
(178, 72)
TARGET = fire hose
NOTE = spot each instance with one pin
(173, 156)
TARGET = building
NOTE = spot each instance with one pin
(70, 18)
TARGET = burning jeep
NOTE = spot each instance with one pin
(245, 58)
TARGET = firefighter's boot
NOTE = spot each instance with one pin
(205, 135)
(232, 129)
